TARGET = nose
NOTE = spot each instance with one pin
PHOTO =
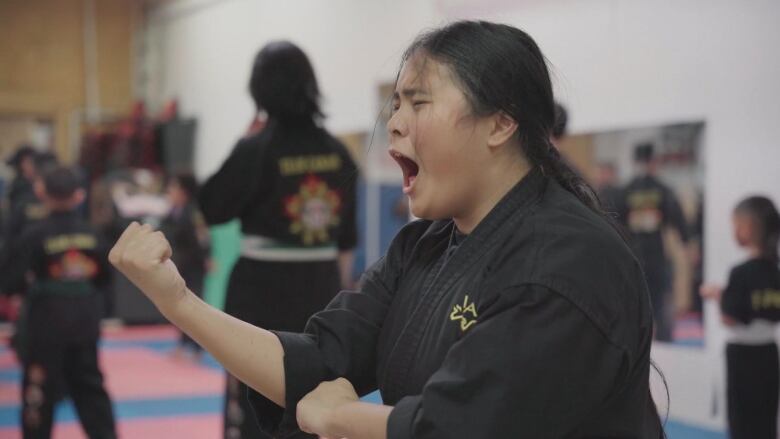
(396, 127)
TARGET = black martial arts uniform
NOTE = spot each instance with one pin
(752, 298)
(646, 208)
(293, 188)
(536, 325)
(60, 324)
(186, 231)
(19, 190)
(28, 211)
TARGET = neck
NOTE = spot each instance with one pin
(755, 252)
(497, 188)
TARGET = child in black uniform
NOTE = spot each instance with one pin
(512, 310)
(60, 326)
(188, 234)
(751, 306)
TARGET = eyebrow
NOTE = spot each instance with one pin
(409, 92)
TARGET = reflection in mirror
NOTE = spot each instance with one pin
(652, 181)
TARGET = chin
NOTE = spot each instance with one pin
(429, 213)
(419, 210)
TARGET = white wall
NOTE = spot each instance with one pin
(617, 64)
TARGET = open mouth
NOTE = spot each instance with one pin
(409, 168)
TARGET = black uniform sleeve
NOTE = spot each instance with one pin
(225, 195)
(17, 260)
(735, 302)
(339, 341)
(103, 279)
(347, 238)
(534, 366)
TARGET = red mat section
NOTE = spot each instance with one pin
(137, 373)
(190, 427)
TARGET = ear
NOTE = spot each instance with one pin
(502, 129)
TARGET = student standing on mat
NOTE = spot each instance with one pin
(60, 324)
(513, 309)
(751, 308)
(292, 185)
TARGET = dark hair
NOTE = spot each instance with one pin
(188, 183)
(765, 215)
(500, 68)
(561, 121)
(61, 182)
(644, 152)
(283, 83)
(21, 153)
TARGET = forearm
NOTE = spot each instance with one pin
(253, 355)
(361, 420)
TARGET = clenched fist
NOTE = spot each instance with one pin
(144, 256)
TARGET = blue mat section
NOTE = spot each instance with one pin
(373, 398)
(692, 343)
(677, 430)
(155, 345)
(10, 375)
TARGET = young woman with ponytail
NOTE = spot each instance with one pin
(511, 310)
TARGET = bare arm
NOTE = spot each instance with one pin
(253, 355)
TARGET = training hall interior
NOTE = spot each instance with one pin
(122, 111)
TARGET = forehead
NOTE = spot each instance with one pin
(423, 73)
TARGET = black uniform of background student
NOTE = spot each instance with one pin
(59, 328)
(293, 187)
(23, 163)
(25, 209)
(752, 296)
(187, 233)
(647, 207)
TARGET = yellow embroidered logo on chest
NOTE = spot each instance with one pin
(466, 314)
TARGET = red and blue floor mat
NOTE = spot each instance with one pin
(158, 396)
(154, 395)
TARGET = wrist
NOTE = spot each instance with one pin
(175, 305)
(339, 420)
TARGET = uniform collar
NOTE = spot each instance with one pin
(513, 206)
(523, 194)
